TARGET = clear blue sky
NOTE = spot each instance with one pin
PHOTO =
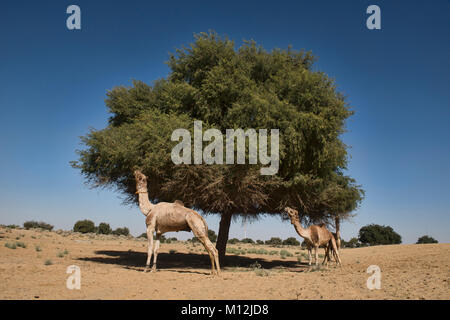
(397, 79)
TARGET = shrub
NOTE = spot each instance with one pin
(375, 234)
(233, 241)
(426, 239)
(38, 248)
(84, 226)
(291, 242)
(21, 244)
(121, 231)
(48, 262)
(285, 253)
(212, 236)
(259, 242)
(104, 228)
(274, 241)
(352, 243)
(247, 240)
(194, 239)
(10, 245)
(143, 235)
(34, 224)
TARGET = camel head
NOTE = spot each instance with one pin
(293, 214)
(141, 181)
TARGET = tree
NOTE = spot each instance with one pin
(34, 224)
(104, 228)
(212, 236)
(375, 234)
(247, 240)
(121, 231)
(291, 242)
(274, 241)
(352, 243)
(224, 87)
(426, 239)
(84, 226)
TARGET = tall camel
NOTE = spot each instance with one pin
(315, 236)
(164, 217)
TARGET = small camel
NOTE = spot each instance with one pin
(315, 236)
(164, 217)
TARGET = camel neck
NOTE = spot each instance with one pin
(144, 203)
(300, 230)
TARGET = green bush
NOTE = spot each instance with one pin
(104, 228)
(143, 235)
(34, 224)
(259, 242)
(375, 234)
(212, 236)
(247, 240)
(84, 226)
(274, 241)
(352, 243)
(426, 239)
(121, 231)
(291, 242)
(10, 245)
(233, 241)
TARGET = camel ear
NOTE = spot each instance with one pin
(179, 202)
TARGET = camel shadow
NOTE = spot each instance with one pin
(187, 262)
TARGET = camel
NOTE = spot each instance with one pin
(315, 236)
(164, 217)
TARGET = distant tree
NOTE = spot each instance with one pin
(104, 228)
(212, 235)
(233, 241)
(173, 239)
(143, 235)
(274, 241)
(84, 226)
(352, 243)
(121, 231)
(34, 224)
(194, 239)
(426, 239)
(291, 241)
(247, 240)
(259, 242)
(375, 234)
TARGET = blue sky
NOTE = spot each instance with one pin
(53, 83)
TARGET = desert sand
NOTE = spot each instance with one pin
(112, 268)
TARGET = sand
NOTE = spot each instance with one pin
(111, 268)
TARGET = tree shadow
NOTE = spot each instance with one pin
(134, 260)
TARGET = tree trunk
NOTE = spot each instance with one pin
(222, 237)
(338, 232)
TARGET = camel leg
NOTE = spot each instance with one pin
(155, 251)
(200, 230)
(326, 259)
(336, 253)
(316, 254)
(309, 256)
(149, 248)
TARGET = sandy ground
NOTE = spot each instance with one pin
(112, 269)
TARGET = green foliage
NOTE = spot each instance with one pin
(259, 242)
(48, 262)
(247, 240)
(37, 248)
(233, 241)
(34, 224)
(374, 234)
(121, 231)
(143, 235)
(426, 239)
(352, 243)
(84, 226)
(104, 228)
(274, 241)
(212, 236)
(10, 245)
(227, 87)
(291, 242)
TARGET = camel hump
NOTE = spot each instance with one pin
(179, 202)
